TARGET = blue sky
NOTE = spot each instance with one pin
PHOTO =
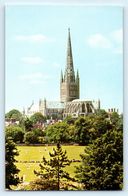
(36, 44)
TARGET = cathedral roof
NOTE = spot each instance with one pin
(55, 105)
(81, 100)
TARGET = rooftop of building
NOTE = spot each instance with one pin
(55, 104)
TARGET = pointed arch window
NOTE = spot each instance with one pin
(89, 110)
(83, 108)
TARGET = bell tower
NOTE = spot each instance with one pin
(69, 84)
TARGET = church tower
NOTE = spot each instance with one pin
(69, 84)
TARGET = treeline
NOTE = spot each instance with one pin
(22, 129)
(82, 130)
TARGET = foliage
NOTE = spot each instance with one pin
(15, 132)
(102, 113)
(30, 138)
(34, 137)
(52, 171)
(42, 184)
(14, 115)
(11, 169)
(37, 118)
(38, 132)
(91, 127)
(116, 119)
(28, 124)
(82, 126)
(69, 120)
(102, 163)
(57, 132)
(83, 130)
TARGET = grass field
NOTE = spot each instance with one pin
(30, 157)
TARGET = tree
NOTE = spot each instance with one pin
(69, 120)
(58, 132)
(90, 127)
(102, 163)
(82, 126)
(14, 115)
(116, 119)
(101, 125)
(37, 118)
(15, 132)
(52, 173)
(102, 113)
(31, 138)
(11, 169)
(36, 136)
(28, 124)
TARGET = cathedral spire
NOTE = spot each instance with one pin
(69, 51)
(69, 84)
(69, 71)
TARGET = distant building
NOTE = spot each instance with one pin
(69, 103)
(69, 83)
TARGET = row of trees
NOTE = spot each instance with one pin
(19, 136)
(23, 129)
(83, 130)
(101, 166)
(16, 115)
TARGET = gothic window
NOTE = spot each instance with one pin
(83, 108)
(89, 110)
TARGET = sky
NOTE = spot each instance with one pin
(36, 45)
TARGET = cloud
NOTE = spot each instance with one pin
(32, 60)
(99, 41)
(37, 38)
(34, 78)
(113, 41)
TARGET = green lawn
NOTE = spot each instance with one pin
(30, 157)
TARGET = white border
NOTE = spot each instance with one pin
(123, 3)
(68, 2)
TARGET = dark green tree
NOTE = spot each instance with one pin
(31, 138)
(90, 127)
(116, 119)
(102, 163)
(34, 137)
(15, 132)
(11, 169)
(57, 132)
(102, 113)
(101, 125)
(37, 118)
(82, 126)
(69, 120)
(52, 172)
(13, 115)
(28, 124)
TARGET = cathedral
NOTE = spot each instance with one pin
(69, 103)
